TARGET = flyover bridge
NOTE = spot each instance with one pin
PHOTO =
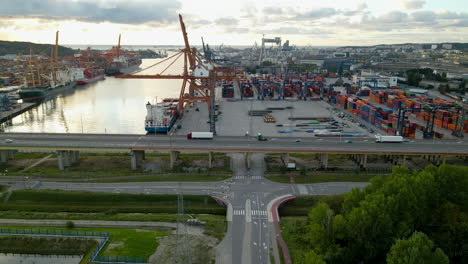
(68, 146)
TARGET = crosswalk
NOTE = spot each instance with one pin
(239, 212)
(254, 212)
(248, 177)
(259, 212)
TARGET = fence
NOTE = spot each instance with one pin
(104, 236)
(52, 232)
(101, 259)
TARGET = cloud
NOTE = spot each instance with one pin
(424, 16)
(227, 21)
(452, 15)
(292, 30)
(413, 4)
(129, 12)
(272, 10)
(318, 13)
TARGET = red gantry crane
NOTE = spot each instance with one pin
(198, 78)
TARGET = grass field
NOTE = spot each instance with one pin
(46, 246)
(122, 242)
(102, 165)
(303, 204)
(89, 202)
(359, 177)
(292, 229)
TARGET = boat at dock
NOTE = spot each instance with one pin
(160, 117)
(91, 75)
(56, 81)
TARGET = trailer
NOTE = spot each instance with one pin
(388, 139)
(200, 135)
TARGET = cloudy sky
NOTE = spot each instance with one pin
(241, 22)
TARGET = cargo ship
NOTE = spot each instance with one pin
(123, 64)
(54, 82)
(160, 117)
(90, 75)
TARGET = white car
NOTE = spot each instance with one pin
(8, 140)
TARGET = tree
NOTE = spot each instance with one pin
(311, 258)
(418, 249)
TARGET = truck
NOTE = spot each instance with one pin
(200, 135)
(388, 139)
(260, 137)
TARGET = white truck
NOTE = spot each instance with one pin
(388, 139)
(200, 135)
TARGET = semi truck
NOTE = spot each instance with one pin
(388, 139)
(200, 135)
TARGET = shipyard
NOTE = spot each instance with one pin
(251, 132)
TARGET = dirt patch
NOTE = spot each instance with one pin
(195, 247)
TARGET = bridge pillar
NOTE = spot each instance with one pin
(61, 164)
(4, 155)
(363, 161)
(173, 158)
(444, 159)
(403, 161)
(66, 158)
(136, 157)
(71, 157)
(285, 159)
(247, 160)
(323, 157)
(210, 160)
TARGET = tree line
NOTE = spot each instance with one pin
(406, 217)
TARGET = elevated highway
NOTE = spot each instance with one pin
(115, 142)
(68, 147)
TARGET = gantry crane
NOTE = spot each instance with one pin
(198, 78)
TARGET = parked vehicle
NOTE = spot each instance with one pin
(388, 139)
(200, 135)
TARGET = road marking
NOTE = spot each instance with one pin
(259, 212)
(239, 212)
(248, 212)
(302, 189)
(248, 177)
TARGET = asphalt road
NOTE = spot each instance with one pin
(225, 144)
(251, 237)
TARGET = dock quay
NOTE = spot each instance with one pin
(20, 108)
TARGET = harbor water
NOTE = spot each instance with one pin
(108, 106)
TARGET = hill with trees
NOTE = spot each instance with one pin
(16, 47)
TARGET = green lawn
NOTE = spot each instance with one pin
(127, 242)
(292, 229)
(110, 203)
(303, 204)
(322, 178)
(166, 178)
(3, 188)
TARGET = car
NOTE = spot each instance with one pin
(297, 140)
(348, 141)
(8, 140)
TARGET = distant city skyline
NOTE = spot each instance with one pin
(304, 23)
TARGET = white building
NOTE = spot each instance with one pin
(374, 80)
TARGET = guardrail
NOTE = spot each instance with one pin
(104, 236)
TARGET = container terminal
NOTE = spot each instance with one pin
(218, 96)
(276, 91)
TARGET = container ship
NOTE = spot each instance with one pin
(90, 75)
(54, 82)
(123, 64)
(161, 116)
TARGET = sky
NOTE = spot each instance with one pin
(241, 22)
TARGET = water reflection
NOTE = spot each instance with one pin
(109, 106)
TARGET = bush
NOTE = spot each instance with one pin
(70, 225)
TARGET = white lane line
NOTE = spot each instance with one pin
(248, 211)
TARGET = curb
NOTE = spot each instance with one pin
(274, 218)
